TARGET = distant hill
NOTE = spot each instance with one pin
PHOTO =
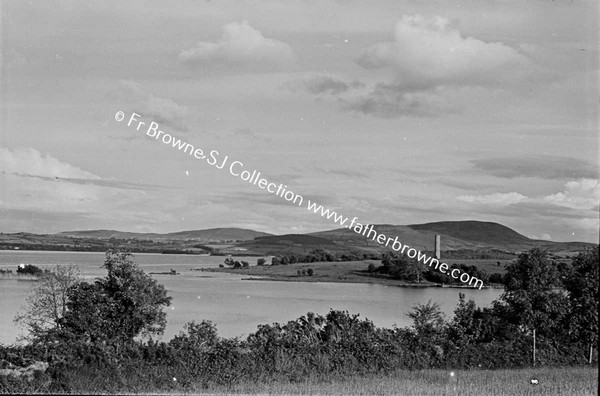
(487, 233)
(293, 243)
(406, 235)
(455, 235)
(212, 234)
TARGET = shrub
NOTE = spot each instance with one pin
(261, 261)
(310, 272)
(496, 278)
(29, 269)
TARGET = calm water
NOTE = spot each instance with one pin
(235, 305)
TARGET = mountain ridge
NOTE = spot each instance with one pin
(455, 235)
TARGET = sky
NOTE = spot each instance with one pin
(396, 112)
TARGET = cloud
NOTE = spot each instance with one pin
(30, 162)
(578, 194)
(429, 52)
(390, 101)
(571, 212)
(500, 199)
(431, 64)
(317, 85)
(36, 188)
(544, 167)
(162, 110)
(244, 133)
(241, 46)
(382, 100)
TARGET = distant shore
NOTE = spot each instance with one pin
(336, 272)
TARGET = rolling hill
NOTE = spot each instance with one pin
(455, 235)
(487, 233)
(212, 234)
(293, 243)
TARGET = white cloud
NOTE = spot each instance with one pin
(500, 199)
(37, 187)
(30, 162)
(430, 51)
(241, 46)
(161, 110)
(578, 194)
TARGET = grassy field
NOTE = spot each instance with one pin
(551, 381)
(347, 272)
(489, 266)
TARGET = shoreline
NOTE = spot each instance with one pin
(330, 272)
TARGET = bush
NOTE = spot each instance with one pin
(261, 261)
(29, 269)
(310, 272)
(496, 278)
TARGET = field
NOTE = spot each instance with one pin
(552, 381)
(347, 271)
(572, 381)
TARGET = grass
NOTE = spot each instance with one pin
(339, 272)
(346, 272)
(552, 381)
(488, 265)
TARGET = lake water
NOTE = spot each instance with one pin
(236, 306)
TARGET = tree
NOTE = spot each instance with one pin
(428, 319)
(582, 286)
(531, 296)
(124, 304)
(261, 261)
(531, 300)
(46, 303)
(402, 268)
(29, 269)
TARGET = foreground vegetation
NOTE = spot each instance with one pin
(96, 337)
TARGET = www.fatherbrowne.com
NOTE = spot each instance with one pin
(236, 168)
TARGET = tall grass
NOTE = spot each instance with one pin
(552, 381)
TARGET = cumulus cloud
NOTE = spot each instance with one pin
(241, 46)
(545, 167)
(430, 62)
(162, 110)
(428, 52)
(578, 194)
